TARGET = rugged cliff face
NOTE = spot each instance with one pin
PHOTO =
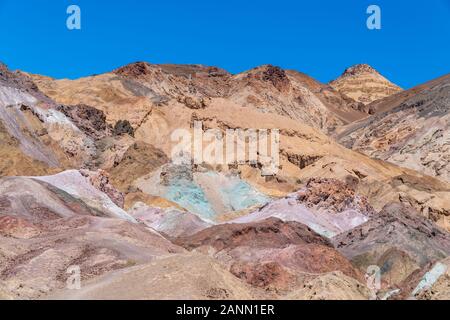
(267, 89)
(364, 84)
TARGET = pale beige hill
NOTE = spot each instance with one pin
(270, 89)
(35, 137)
(364, 84)
(34, 264)
(122, 122)
(190, 276)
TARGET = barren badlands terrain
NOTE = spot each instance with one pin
(359, 207)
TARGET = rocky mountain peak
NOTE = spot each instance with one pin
(86, 179)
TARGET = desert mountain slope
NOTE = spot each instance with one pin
(412, 132)
(157, 100)
(363, 83)
(88, 180)
(177, 277)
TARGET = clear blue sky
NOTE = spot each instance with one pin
(320, 38)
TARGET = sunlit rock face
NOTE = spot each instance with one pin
(327, 206)
(208, 194)
(270, 254)
(25, 195)
(87, 179)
